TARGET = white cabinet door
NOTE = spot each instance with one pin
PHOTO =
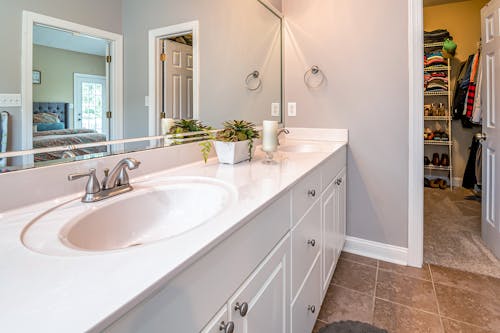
(330, 231)
(342, 209)
(261, 305)
(220, 323)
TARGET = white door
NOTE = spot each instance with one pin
(219, 324)
(490, 26)
(178, 76)
(260, 305)
(90, 103)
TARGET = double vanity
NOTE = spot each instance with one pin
(195, 248)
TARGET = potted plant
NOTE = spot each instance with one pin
(234, 143)
(188, 126)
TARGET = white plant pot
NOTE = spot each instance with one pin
(232, 152)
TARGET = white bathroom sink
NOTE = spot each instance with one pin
(305, 147)
(153, 211)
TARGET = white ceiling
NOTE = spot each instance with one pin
(439, 2)
(66, 40)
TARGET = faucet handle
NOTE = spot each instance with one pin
(92, 186)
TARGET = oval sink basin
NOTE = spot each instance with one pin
(153, 211)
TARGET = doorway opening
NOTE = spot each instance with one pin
(173, 76)
(454, 100)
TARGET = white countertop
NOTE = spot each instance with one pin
(46, 293)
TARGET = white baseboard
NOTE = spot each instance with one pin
(390, 253)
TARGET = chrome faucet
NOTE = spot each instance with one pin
(281, 131)
(114, 183)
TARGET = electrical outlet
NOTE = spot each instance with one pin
(275, 109)
(292, 109)
(146, 101)
(10, 100)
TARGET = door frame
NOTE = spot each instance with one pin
(115, 76)
(76, 89)
(415, 138)
(154, 80)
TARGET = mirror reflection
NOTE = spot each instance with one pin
(129, 72)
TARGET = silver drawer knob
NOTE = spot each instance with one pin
(312, 242)
(226, 328)
(311, 193)
(242, 308)
(311, 308)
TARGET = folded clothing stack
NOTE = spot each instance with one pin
(436, 36)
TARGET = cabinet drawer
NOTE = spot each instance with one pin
(332, 166)
(306, 244)
(304, 194)
(306, 307)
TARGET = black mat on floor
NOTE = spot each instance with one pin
(351, 327)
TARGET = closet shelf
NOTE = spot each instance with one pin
(437, 118)
(438, 142)
(436, 93)
(436, 68)
(434, 44)
(440, 168)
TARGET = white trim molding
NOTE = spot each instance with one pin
(366, 248)
(116, 74)
(154, 86)
(416, 128)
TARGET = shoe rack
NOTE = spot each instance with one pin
(444, 122)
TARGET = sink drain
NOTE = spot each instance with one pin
(135, 244)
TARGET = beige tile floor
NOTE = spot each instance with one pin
(405, 299)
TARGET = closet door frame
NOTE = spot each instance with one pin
(416, 128)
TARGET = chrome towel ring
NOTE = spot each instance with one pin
(254, 76)
(314, 77)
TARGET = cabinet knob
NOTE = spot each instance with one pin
(226, 328)
(311, 308)
(311, 193)
(312, 242)
(242, 308)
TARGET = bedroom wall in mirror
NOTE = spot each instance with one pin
(74, 78)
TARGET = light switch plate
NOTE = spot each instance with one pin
(10, 100)
(292, 109)
(275, 109)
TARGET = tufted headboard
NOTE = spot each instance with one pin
(61, 109)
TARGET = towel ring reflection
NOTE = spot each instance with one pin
(313, 72)
(255, 75)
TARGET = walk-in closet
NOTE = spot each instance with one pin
(453, 106)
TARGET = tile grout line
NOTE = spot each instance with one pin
(435, 295)
(408, 306)
(347, 288)
(466, 323)
(375, 292)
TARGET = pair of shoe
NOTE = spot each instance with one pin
(438, 135)
(436, 161)
(436, 183)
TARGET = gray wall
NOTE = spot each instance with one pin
(362, 47)
(235, 39)
(104, 15)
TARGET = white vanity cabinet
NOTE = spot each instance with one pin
(269, 276)
(333, 227)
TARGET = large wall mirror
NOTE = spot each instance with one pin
(79, 75)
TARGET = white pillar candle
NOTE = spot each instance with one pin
(166, 125)
(269, 135)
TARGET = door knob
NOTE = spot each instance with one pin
(311, 193)
(242, 308)
(226, 328)
(311, 242)
(311, 308)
